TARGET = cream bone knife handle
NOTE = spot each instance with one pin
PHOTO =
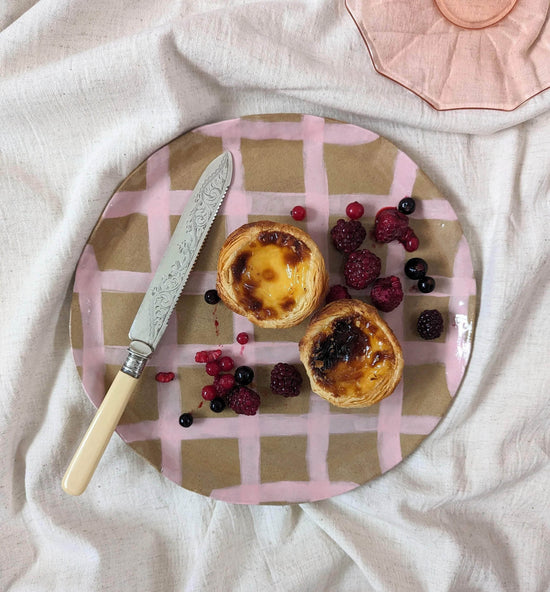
(97, 436)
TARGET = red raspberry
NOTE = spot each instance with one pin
(243, 400)
(285, 380)
(347, 235)
(390, 225)
(361, 268)
(207, 355)
(223, 383)
(337, 292)
(387, 293)
(165, 376)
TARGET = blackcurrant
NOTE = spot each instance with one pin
(407, 205)
(416, 268)
(244, 375)
(217, 405)
(426, 284)
(211, 296)
(186, 419)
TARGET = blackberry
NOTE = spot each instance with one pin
(361, 268)
(347, 235)
(430, 324)
(285, 380)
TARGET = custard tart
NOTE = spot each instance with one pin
(271, 273)
(350, 354)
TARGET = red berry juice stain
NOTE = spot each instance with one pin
(200, 404)
(216, 322)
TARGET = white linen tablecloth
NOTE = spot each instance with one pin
(87, 91)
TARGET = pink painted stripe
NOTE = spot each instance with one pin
(317, 207)
(169, 400)
(88, 286)
(404, 177)
(348, 134)
(419, 424)
(272, 424)
(389, 415)
(459, 331)
(125, 203)
(158, 211)
(389, 429)
(417, 352)
(283, 491)
(345, 134)
(249, 448)
(235, 216)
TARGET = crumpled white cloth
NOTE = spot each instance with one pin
(87, 91)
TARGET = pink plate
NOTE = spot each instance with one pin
(297, 449)
(492, 54)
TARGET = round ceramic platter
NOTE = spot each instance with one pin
(297, 449)
(453, 54)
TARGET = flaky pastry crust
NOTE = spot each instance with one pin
(351, 355)
(271, 273)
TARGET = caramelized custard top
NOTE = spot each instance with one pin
(351, 355)
(269, 275)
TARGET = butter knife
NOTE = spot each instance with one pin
(152, 317)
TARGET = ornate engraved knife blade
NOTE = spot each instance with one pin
(152, 317)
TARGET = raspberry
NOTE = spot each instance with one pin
(165, 376)
(285, 380)
(361, 268)
(243, 400)
(223, 383)
(390, 225)
(337, 292)
(347, 235)
(387, 293)
(207, 355)
(430, 324)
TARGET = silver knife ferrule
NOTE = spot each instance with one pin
(134, 364)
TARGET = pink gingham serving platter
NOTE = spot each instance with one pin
(298, 449)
